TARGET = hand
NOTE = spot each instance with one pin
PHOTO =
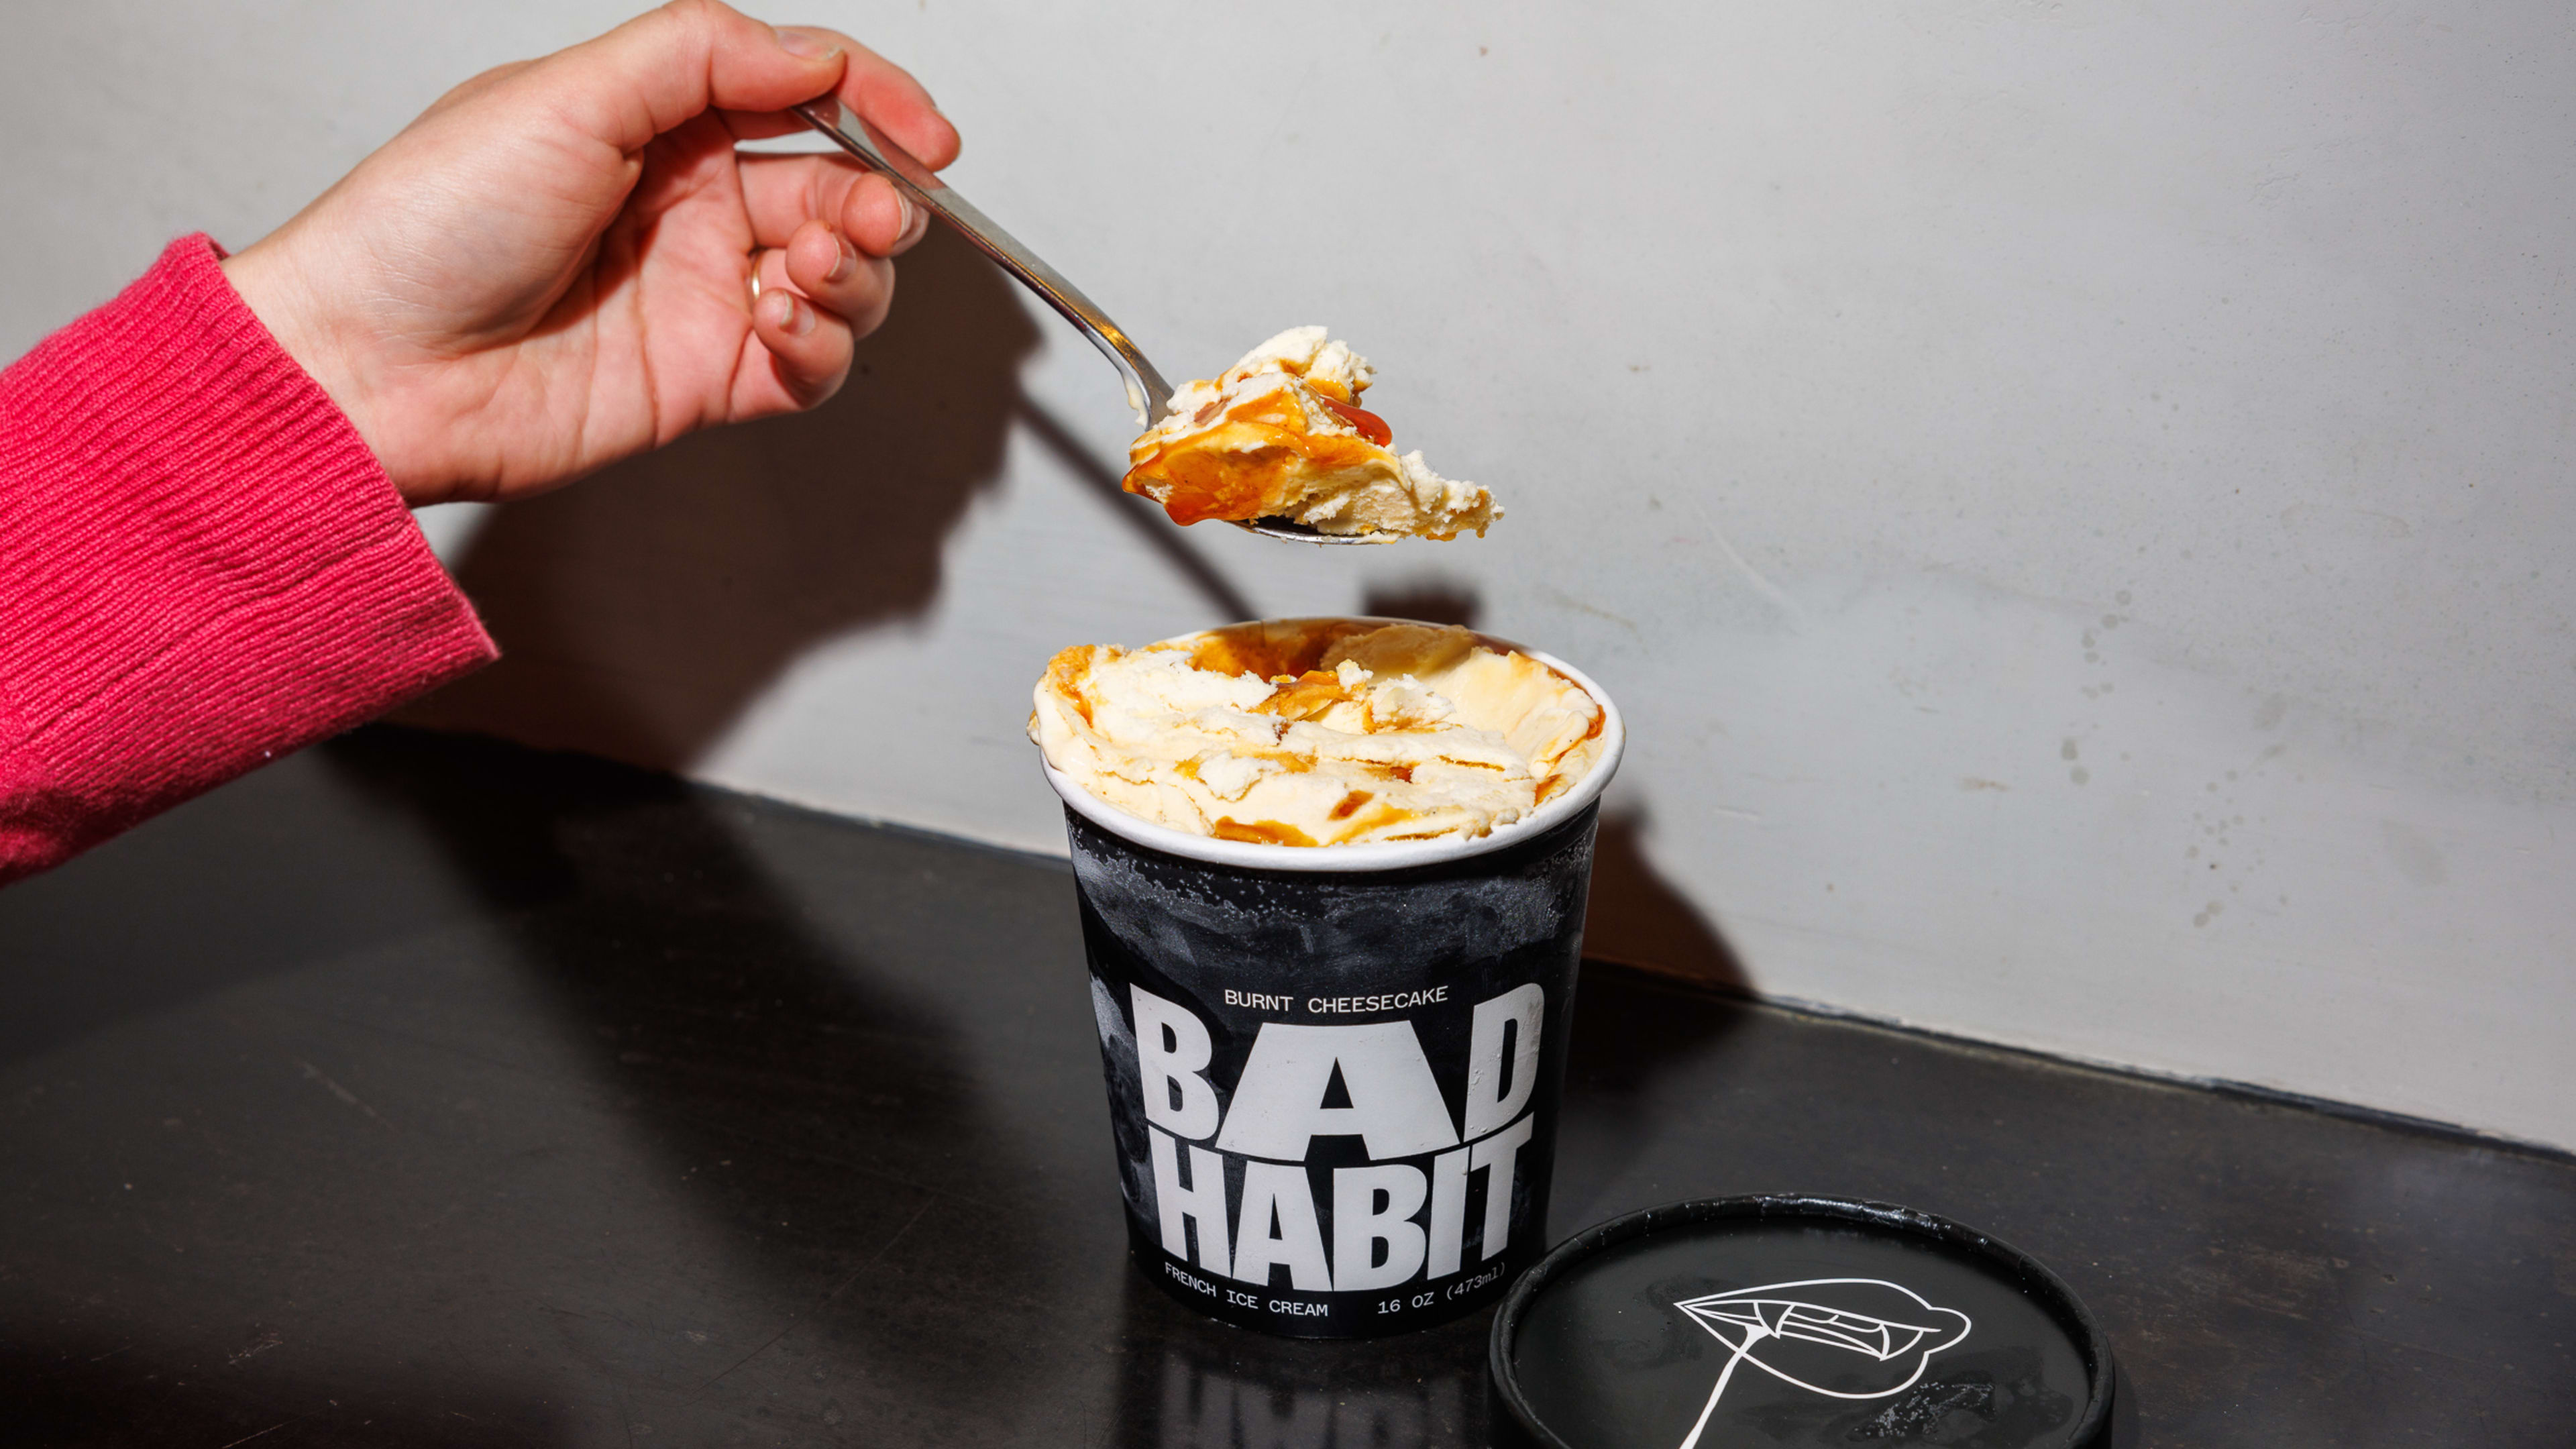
(553, 267)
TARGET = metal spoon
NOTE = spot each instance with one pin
(1147, 393)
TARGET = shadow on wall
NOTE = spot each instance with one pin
(1639, 1039)
(1631, 1035)
(1146, 521)
(642, 611)
(1432, 598)
(1637, 918)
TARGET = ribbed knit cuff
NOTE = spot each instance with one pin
(202, 566)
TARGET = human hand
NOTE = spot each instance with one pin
(553, 267)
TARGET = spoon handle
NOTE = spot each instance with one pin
(1147, 393)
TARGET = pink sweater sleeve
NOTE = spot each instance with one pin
(202, 567)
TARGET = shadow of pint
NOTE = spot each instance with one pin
(1192, 1383)
(1638, 918)
(1634, 1028)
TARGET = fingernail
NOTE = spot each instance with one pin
(848, 263)
(808, 47)
(788, 313)
(909, 215)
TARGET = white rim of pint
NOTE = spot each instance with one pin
(1389, 855)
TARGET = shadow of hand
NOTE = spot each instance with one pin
(643, 610)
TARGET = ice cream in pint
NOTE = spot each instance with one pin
(1317, 732)
(1281, 435)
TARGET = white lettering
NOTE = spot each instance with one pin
(1203, 1201)
(1448, 1211)
(1279, 1106)
(1496, 1095)
(1172, 1048)
(1278, 1226)
(1496, 1156)
(1388, 1001)
(1359, 1225)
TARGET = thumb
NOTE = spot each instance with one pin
(663, 68)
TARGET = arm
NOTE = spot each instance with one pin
(201, 566)
(205, 560)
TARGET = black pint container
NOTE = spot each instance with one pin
(1334, 1071)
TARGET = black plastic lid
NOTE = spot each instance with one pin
(1795, 1321)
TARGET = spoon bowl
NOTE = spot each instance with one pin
(1147, 393)
(1286, 531)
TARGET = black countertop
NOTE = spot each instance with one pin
(426, 1091)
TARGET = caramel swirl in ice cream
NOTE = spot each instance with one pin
(1281, 435)
(1317, 731)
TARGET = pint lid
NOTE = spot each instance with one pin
(1790, 1320)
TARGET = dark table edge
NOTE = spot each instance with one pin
(2428, 1127)
(1666, 979)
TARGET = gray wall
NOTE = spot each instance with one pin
(2073, 498)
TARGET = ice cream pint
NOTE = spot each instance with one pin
(1334, 1071)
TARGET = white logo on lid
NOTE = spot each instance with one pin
(1835, 1312)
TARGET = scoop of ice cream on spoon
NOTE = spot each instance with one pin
(1280, 438)
(1440, 507)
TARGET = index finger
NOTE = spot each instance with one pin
(664, 68)
(878, 89)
